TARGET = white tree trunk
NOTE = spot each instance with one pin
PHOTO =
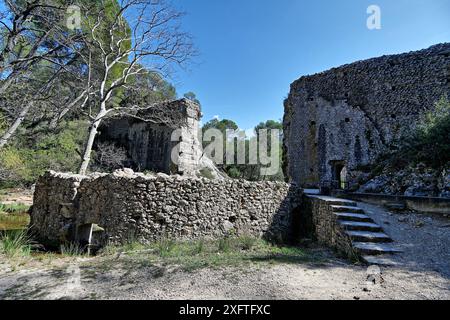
(88, 150)
(10, 132)
(91, 139)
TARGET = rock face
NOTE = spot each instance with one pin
(345, 117)
(418, 181)
(147, 208)
(150, 144)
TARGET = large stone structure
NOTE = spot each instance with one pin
(148, 208)
(342, 119)
(167, 141)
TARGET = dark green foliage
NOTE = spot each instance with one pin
(41, 150)
(251, 172)
(192, 96)
(429, 144)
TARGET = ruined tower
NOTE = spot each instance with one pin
(169, 143)
(342, 119)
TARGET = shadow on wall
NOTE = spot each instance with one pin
(287, 221)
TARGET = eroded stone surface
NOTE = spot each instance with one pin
(146, 208)
(348, 116)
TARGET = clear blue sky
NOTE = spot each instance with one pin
(251, 50)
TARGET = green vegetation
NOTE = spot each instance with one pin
(229, 251)
(14, 221)
(429, 144)
(40, 149)
(15, 244)
(14, 208)
(250, 172)
(433, 137)
(45, 111)
(71, 249)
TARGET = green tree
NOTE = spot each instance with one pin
(192, 96)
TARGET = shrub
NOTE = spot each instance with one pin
(199, 246)
(165, 246)
(429, 144)
(71, 249)
(247, 242)
(15, 243)
(224, 244)
(28, 157)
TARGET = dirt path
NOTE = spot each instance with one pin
(17, 196)
(334, 280)
(424, 238)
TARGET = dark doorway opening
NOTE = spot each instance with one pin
(339, 173)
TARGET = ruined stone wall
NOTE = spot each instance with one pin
(323, 226)
(150, 144)
(148, 208)
(355, 112)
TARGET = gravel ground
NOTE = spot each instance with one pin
(423, 238)
(334, 280)
(423, 273)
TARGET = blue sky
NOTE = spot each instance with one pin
(252, 50)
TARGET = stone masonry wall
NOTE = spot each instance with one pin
(353, 113)
(147, 208)
(150, 144)
(322, 225)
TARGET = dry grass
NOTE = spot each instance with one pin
(193, 255)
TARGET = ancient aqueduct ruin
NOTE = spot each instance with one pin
(339, 119)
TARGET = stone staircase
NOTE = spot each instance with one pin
(368, 238)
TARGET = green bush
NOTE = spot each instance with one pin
(165, 246)
(429, 144)
(30, 156)
(224, 244)
(15, 243)
(433, 138)
(247, 242)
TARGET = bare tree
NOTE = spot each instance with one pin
(30, 32)
(144, 36)
(34, 98)
(34, 37)
(110, 157)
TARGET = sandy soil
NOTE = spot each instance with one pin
(17, 196)
(333, 280)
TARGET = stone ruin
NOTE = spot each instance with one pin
(169, 142)
(334, 122)
(115, 208)
(342, 119)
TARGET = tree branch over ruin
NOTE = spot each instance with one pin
(143, 36)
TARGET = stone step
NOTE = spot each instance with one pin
(360, 226)
(375, 248)
(336, 201)
(381, 260)
(367, 236)
(342, 203)
(348, 216)
(347, 209)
